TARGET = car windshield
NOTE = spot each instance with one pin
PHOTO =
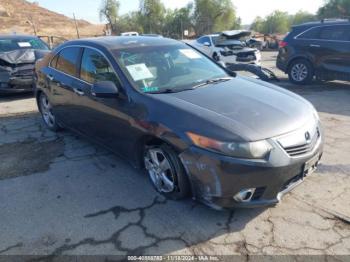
(7, 44)
(171, 67)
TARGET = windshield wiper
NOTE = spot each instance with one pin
(212, 81)
(169, 91)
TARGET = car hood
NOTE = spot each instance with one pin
(22, 56)
(250, 109)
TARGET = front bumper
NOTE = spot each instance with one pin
(233, 59)
(15, 83)
(216, 179)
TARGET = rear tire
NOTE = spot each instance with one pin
(166, 172)
(301, 72)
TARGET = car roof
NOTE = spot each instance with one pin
(16, 36)
(324, 22)
(121, 42)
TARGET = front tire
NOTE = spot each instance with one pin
(166, 172)
(301, 72)
(47, 115)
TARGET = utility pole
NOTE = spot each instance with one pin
(182, 30)
(31, 23)
(76, 26)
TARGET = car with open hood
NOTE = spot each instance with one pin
(229, 47)
(196, 128)
(18, 54)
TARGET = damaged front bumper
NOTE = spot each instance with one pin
(217, 179)
(241, 58)
(17, 81)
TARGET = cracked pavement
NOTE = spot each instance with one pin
(62, 195)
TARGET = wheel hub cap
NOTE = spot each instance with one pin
(159, 170)
(299, 72)
(49, 118)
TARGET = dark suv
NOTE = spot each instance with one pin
(320, 49)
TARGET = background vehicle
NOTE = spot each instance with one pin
(228, 47)
(320, 49)
(130, 34)
(256, 43)
(195, 127)
(18, 54)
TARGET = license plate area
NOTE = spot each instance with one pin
(311, 165)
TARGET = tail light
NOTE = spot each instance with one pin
(283, 44)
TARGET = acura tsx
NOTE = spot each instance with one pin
(196, 128)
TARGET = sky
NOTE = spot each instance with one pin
(246, 9)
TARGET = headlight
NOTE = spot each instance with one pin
(249, 150)
(316, 116)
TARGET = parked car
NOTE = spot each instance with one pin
(130, 34)
(228, 47)
(196, 128)
(256, 43)
(18, 54)
(152, 35)
(320, 49)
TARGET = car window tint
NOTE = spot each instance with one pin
(67, 60)
(53, 62)
(311, 33)
(338, 33)
(95, 67)
(203, 40)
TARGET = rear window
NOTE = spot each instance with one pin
(7, 45)
(312, 33)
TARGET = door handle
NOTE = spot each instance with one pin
(315, 46)
(79, 92)
(50, 77)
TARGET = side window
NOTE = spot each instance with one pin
(203, 40)
(338, 33)
(95, 67)
(311, 34)
(67, 60)
(53, 62)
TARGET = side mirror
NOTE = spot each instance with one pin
(105, 89)
(207, 44)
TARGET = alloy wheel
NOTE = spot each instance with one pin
(160, 171)
(299, 72)
(46, 111)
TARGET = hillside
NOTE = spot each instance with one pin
(17, 16)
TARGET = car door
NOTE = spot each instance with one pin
(104, 120)
(335, 47)
(60, 76)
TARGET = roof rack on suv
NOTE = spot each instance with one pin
(343, 19)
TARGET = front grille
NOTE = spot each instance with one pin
(299, 150)
(246, 56)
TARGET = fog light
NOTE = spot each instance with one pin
(245, 195)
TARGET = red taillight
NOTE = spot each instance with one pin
(283, 44)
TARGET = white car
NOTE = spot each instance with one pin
(228, 48)
(130, 34)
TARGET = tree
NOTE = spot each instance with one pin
(258, 24)
(335, 9)
(176, 21)
(214, 15)
(109, 10)
(277, 22)
(302, 17)
(152, 13)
